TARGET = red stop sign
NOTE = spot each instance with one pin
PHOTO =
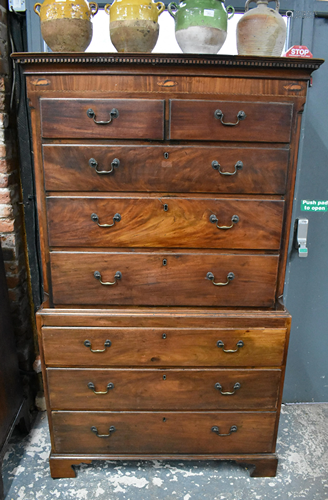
(298, 51)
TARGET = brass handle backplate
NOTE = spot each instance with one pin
(238, 166)
(91, 386)
(116, 218)
(95, 431)
(216, 429)
(218, 387)
(117, 276)
(215, 220)
(113, 114)
(107, 343)
(239, 344)
(241, 115)
(210, 276)
(114, 164)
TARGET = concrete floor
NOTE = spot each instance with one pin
(302, 470)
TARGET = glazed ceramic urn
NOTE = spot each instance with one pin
(66, 24)
(261, 31)
(200, 25)
(133, 24)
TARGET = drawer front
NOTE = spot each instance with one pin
(180, 279)
(163, 347)
(163, 432)
(69, 118)
(165, 169)
(196, 120)
(75, 389)
(167, 222)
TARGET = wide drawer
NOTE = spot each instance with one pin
(162, 389)
(163, 432)
(163, 278)
(200, 120)
(157, 222)
(163, 347)
(165, 169)
(72, 118)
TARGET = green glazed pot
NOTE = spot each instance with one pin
(200, 25)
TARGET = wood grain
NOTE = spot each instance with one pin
(145, 223)
(264, 465)
(146, 347)
(163, 432)
(162, 317)
(146, 281)
(145, 168)
(67, 118)
(162, 389)
(195, 120)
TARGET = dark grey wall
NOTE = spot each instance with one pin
(306, 290)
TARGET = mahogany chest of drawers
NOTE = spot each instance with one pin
(164, 190)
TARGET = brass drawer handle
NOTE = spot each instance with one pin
(113, 114)
(210, 276)
(117, 276)
(116, 218)
(91, 386)
(238, 166)
(218, 386)
(215, 220)
(111, 430)
(107, 343)
(94, 164)
(241, 115)
(216, 429)
(239, 344)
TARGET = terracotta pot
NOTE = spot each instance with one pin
(200, 25)
(261, 31)
(133, 25)
(66, 24)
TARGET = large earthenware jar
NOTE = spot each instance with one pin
(261, 31)
(66, 24)
(133, 24)
(200, 25)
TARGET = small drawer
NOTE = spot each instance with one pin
(163, 432)
(165, 169)
(203, 120)
(164, 389)
(158, 278)
(163, 347)
(165, 222)
(123, 118)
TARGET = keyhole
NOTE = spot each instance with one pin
(166, 155)
(164, 262)
(164, 419)
(164, 377)
(166, 207)
(164, 336)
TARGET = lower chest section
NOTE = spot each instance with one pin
(156, 382)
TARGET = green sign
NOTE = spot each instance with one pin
(314, 205)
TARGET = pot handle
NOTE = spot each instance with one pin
(160, 6)
(249, 1)
(36, 8)
(174, 6)
(107, 8)
(93, 7)
(231, 11)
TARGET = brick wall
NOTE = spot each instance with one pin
(11, 215)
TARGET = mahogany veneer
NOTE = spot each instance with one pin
(150, 363)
